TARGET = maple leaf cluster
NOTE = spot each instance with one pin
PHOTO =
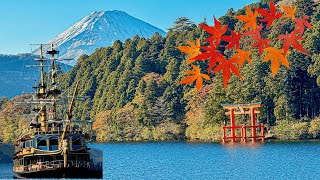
(217, 61)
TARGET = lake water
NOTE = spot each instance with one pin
(182, 160)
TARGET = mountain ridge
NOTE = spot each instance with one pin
(16, 77)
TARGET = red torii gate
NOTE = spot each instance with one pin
(242, 109)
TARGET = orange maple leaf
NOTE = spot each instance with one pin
(193, 50)
(227, 66)
(242, 56)
(276, 56)
(250, 19)
(289, 11)
(195, 75)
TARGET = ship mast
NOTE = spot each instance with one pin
(42, 89)
(53, 91)
(43, 114)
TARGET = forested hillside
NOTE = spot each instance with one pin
(135, 93)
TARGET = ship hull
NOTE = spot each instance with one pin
(70, 172)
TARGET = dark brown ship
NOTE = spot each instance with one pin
(51, 147)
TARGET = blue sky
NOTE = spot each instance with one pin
(36, 21)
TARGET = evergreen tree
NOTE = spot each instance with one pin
(182, 24)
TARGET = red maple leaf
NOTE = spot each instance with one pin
(269, 16)
(255, 33)
(227, 66)
(292, 39)
(301, 23)
(216, 32)
(234, 40)
(210, 53)
(261, 44)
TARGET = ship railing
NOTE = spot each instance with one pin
(97, 166)
(20, 168)
(53, 130)
(49, 130)
(57, 164)
(83, 164)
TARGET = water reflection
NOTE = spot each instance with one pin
(247, 145)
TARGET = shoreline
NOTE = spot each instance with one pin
(9, 145)
(214, 142)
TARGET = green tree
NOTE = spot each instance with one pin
(182, 24)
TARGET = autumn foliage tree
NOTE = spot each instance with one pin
(218, 59)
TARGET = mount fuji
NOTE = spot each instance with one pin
(100, 29)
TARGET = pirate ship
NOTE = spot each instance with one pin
(51, 147)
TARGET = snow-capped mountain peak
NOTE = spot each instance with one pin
(99, 29)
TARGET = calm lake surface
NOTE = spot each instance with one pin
(182, 160)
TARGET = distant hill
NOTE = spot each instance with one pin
(15, 77)
(100, 29)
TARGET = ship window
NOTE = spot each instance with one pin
(42, 142)
(27, 144)
(73, 158)
(53, 142)
(76, 141)
(85, 158)
(47, 158)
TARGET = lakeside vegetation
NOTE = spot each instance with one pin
(135, 93)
